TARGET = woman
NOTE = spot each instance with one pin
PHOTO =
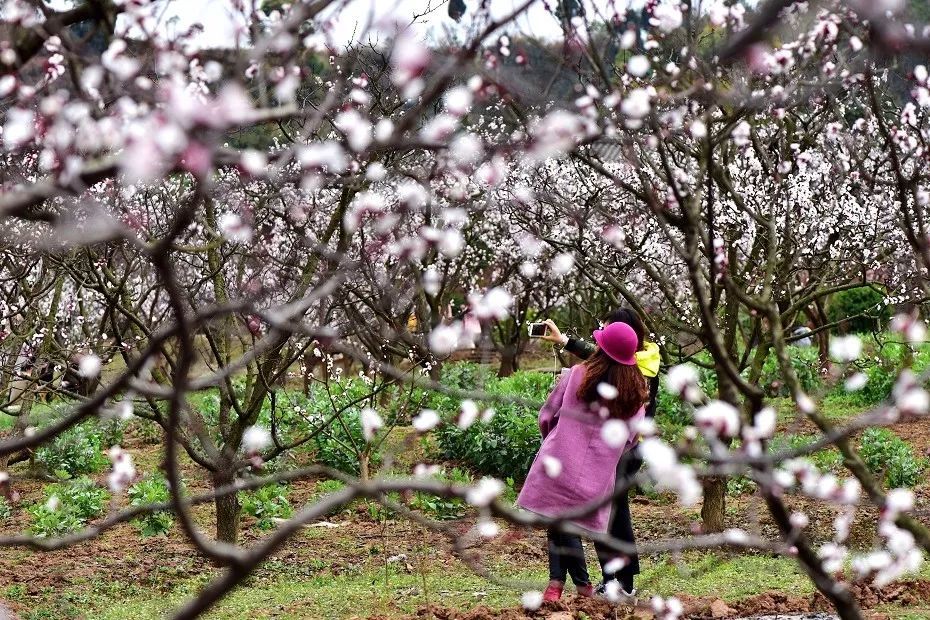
(582, 445)
(648, 361)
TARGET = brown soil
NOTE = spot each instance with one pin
(904, 593)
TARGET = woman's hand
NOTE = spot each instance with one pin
(553, 333)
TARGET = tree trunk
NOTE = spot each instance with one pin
(509, 363)
(715, 488)
(364, 472)
(819, 319)
(713, 509)
(227, 509)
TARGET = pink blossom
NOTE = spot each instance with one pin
(123, 473)
(719, 418)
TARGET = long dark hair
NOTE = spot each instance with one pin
(628, 380)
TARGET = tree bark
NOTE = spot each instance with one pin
(509, 362)
(227, 509)
(364, 472)
(714, 506)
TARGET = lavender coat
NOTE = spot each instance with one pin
(572, 434)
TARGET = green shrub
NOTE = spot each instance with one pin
(80, 449)
(152, 489)
(440, 508)
(867, 301)
(880, 381)
(805, 361)
(672, 413)
(443, 508)
(336, 445)
(266, 504)
(740, 485)
(6, 511)
(824, 460)
(79, 501)
(148, 431)
(325, 487)
(465, 375)
(883, 451)
(505, 446)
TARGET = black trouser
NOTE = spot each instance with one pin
(566, 557)
(621, 525)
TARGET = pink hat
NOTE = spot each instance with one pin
(619, 342)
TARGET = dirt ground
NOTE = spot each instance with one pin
(161, 563)
(904, 593)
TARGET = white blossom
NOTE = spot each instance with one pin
(637, 66)
(718, 417)
(89, 366)
(531, 600)
(636, 104)
(123, 472)
(371, 423)
(426, 420)
(484, 492)
(682, 380)
(468, 414)
(552, 466)
(667, 16)
(899, 500)
(494, 304)
(487, 528)
(855, 382)
(845, 348)
(607, 391)
(458, 100)
(234, 229)
(255, 439)
(615, 433)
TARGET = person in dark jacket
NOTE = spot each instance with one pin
(621, 524)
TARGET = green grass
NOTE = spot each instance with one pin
(285, 595)
(708, 574)
(341, 596)
(841, 406)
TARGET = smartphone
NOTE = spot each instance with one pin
(538, 330)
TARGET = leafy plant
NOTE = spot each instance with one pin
(443, 508)
(847, 306)
(75, 503)
(883, 451)
(805, 362)
(505, 446)
(740, 485)
(6, 511)
(824, 460)
(324, 487)
(152, 489)
(266, 504)
(76, 451)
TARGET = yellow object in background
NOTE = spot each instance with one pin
(648, 360)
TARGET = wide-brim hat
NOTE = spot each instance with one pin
(619, 342)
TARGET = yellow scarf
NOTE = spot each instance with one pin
(649, 359)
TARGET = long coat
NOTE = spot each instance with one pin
(572, 438)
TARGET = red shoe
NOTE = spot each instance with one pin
(587, 590)
(553, 591)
